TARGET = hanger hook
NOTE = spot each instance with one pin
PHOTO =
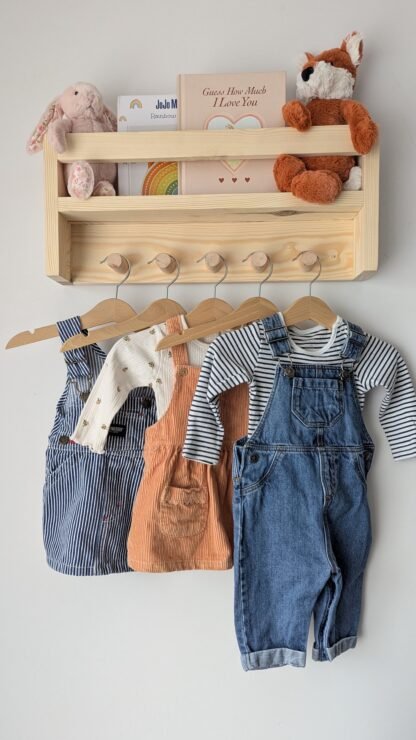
(178, 269)
(221, 280)
(318, 274)
(269, 274)
(126, 276)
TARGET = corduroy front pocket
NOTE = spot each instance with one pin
(183, 511)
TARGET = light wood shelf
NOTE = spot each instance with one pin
(80, 233)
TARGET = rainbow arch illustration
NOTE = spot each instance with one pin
(161, 179)
(136, 103)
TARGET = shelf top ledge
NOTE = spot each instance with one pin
(265, 143)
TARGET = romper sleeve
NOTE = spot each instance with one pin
(382, 365)
(229, 361)
(127, 366)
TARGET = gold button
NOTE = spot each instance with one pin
(182, 371)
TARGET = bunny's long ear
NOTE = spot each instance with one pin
(52, 112)
(109, 119)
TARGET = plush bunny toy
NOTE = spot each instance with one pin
(80, 109)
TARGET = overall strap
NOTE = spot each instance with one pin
(276, 334)
(355, 344)
(75, 359)
(180, 352)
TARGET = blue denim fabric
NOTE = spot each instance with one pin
(88, 498)
(302, 522)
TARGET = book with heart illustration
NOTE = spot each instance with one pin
(217, 101)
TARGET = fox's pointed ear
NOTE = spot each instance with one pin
(304, 58)
(353, 44)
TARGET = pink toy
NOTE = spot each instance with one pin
(80, 109)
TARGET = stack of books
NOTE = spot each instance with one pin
(210, 102)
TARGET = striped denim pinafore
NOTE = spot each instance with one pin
(88, 498)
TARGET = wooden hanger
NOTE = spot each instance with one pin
(107, 311)
(250, 310)
(158, 312)
(310, 308)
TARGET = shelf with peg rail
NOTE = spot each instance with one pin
(79, 234)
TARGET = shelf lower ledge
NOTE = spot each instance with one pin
(204, 207)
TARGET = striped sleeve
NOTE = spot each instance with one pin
(229, 361)
(382, 365)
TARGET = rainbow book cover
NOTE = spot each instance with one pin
(216, 101)
(147, 113)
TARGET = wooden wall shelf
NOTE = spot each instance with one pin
(80, 233)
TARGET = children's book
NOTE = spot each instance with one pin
(231, 101)
(147, 113)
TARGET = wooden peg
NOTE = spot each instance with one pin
(308, 260)
(165, 262)
(117, 262)
(213, 261)
(259, 261)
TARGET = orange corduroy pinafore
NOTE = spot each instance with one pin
(182, 515)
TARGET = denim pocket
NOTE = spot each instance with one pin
(363, 463)
(183, 511)
(58, 461)
(259, 466)
(317, 402)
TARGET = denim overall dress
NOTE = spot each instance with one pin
(88, 498)
(301, 517)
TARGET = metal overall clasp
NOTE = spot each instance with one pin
(83, 394)
(345, 372)
(288, 370)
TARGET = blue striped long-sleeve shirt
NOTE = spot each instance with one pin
(244, 356)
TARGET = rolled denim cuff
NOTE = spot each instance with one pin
(329, 653)
(273, 659)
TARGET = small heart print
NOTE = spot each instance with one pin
(234, 179)
(221, 179)
(247, 179)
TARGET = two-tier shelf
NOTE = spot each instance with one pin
(79, 234)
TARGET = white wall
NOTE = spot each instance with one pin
(154, 656)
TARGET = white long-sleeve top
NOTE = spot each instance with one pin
(244, 356)
(133, 362)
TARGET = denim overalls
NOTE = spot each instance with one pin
(302, 523)
(88, 498)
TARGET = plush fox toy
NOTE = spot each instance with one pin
(324, 87)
